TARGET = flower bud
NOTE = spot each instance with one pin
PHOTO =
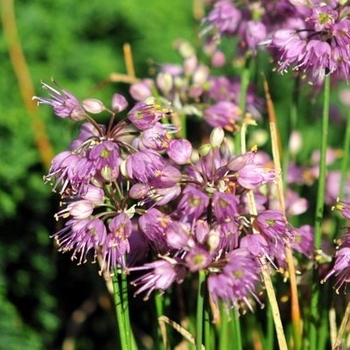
(165, 82)
(180, 151)
(205, 149)
(92, 105)
(119, 103)
(217, 136)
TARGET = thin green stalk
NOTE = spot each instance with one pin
(223, 330)
(314, 309)
(118, 300)
(237, 334)
(345, 160)
(245, 77)
(125, 301)
(200, 310)
(158, 302)
(270, 340)
(207, 327)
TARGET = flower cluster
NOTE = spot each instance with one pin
(309, 36)
(138, 199)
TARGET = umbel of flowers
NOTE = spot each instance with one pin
(137, 198)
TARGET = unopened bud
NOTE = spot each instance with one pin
(119, 103)
(92, 105)
(217, 136)
(205, 149)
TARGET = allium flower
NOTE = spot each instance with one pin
(106, 160)
(344, 208)
(224, 17)
(64, 104)
(179, 151)
(153, 224)
(162, 275)
(304, 240)
(224, 114)
(155, 138)
(225, 206)
(238, 280)
(198, 259)
(254, 33)
(273, 225)
(144, 115)
(143, 165)
(78, 210)
(252, 176)
(81, 236)
(116, 245)
(341, 268)
(70, 171)
(192, 204)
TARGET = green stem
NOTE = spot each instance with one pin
(236, 326)
(158, 301)
(207, 328)
(245, 77)
(125, 301)
(223, 329)
(269, 329)
(200, 310)
(119, 307)
(314, 311)
(345, 160)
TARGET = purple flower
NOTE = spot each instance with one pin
(167, 177)
(162, 275)
(238, 280)
(272, 224)
(143, 165)
(116, 245)
(78, 210)
(71, 172)
(178, 235)
(344, 208)
(254, 33)
(252, 176)
(224, 206)
(198, 259)
(64, 104)
(106, 160)
(179, 151)
(341, 268)
(304, 240)
(87, 131)
(192, 204)
(155, 137)
(81, 236)
(144, 116)
(153, 224)
(224, 114)
(224, 17)
(142, 90)
(119, 103)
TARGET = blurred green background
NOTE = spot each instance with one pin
(46, 301)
